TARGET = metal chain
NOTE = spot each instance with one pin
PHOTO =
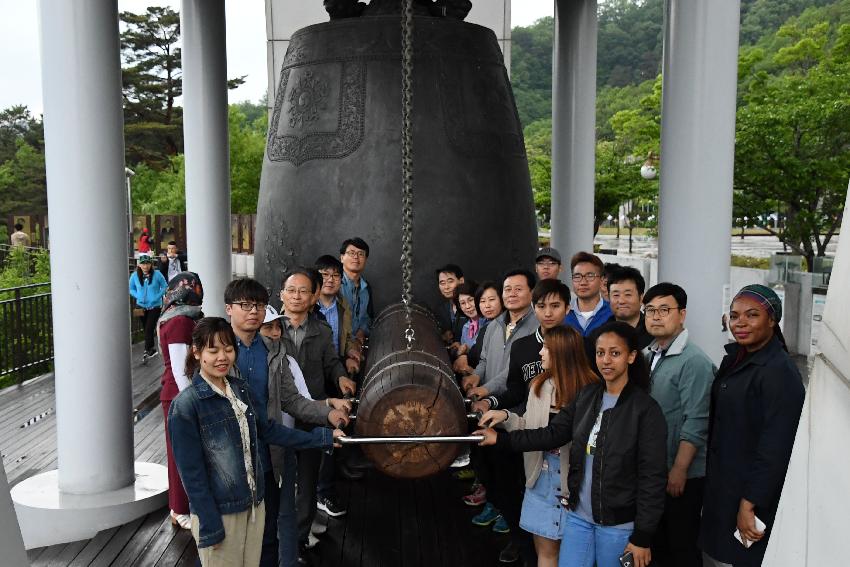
(407, 166)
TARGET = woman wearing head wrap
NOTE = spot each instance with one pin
(182, 309)
(756, 402)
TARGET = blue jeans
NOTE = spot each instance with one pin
(586, 543)
(287, 525)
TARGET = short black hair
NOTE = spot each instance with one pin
(627, 273)
(545, 288)
(529, 276)
(484, 287)
(664, 289)
(245, 289)
(328, 262)
(19, 226)
(449, 269)
(580, 257)
(313, 275)
(609, 269)
(172, 243)
(357, 242)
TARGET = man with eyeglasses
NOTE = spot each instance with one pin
(588, 309)
(548, 264)
(353, 254)
(681, 378)
(310, 342)
(262, 362)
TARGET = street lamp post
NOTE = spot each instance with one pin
(128, 173)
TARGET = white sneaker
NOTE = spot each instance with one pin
(181, 520)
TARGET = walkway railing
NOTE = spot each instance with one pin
(26, 332)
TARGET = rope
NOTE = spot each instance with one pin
(407, 166)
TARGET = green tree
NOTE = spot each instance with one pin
(793, 138)
(163, 190)
(151, 78)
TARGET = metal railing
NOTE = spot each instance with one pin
(26, 332)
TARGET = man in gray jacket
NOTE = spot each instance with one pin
(310, 342)
(503, 470)
(491, 374)
(681, 378)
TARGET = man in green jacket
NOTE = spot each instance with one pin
(681, 378)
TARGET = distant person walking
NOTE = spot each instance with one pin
(144, 246)
(756, 401)
(19, 237)
(147, 287)
(182, 308)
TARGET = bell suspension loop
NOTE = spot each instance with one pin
(407, 166)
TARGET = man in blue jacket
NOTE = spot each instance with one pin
(588, 309)
(681, 378)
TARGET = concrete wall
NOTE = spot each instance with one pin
(285, 17)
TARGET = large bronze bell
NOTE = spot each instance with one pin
(332, 168)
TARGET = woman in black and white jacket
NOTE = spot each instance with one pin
(618, 461)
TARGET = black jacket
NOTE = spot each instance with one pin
(163, 266)
(630, 463)
(443, 313)
(525, 364)
(755, 408)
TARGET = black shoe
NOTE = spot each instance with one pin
(302, 554)
(351, 473)
(509, 554)
(331, 508)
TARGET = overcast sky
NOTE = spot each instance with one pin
(20, 68)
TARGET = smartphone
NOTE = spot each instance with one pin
(627, 559)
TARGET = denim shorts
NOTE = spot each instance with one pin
(542, 513)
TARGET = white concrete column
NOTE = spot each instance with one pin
(697, 158)
(206, 147)
(97, 485)
(84, 150)
(573, 125)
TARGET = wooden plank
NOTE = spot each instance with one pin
(410, 553)
(349, 533)
(136, 542)
(177, 546)
(159, 542)
(93, 547)
(116, 543)
(68, 554)
(429, 541)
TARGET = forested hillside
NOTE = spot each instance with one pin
(793, 120)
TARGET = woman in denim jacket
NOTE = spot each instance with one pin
(214, 432)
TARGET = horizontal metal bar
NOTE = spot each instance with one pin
(410, 439)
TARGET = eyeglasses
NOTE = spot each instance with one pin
(247, 307)
(355, 253)
(590, 276)
(331, 275)
(660, 311)
(297, 291)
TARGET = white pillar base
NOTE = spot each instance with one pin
(49, 517)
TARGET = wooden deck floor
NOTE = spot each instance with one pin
(390, 522)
